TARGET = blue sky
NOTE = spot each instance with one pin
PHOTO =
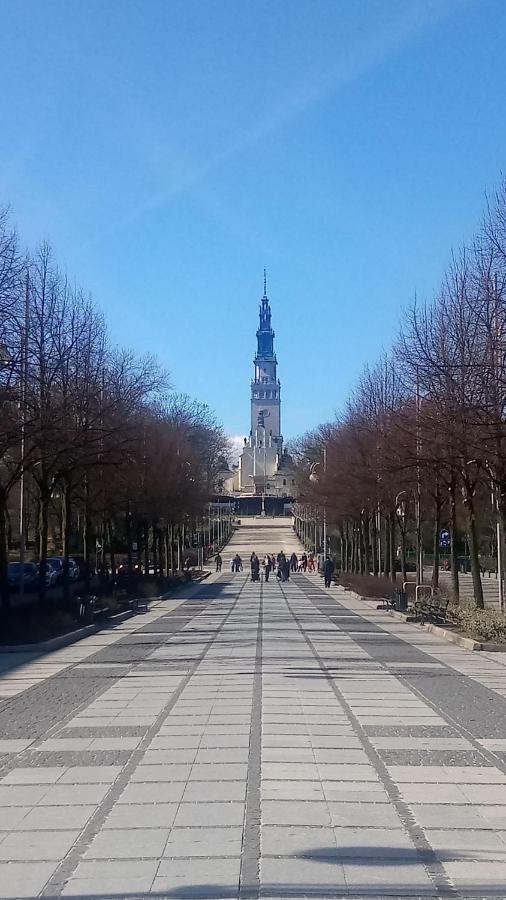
(170, 150)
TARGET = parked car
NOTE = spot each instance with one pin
(27, 572)
(57, 563)
(84, 567)
(51, 574)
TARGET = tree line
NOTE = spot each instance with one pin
(420, 448)
(95, 449)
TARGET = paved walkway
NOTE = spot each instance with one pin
(258, 740)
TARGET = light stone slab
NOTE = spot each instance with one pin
(218, 813)
(209, 842)
(24, 879)
(128, 843)
(192, 877)
(24, 846)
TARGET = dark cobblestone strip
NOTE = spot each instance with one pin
(42, 711)
(442, 884)
(440, 691)
(249, 879)
(67, 867)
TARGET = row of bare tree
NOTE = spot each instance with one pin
(88, 433)
(421, 445)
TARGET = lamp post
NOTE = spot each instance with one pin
(313, 476)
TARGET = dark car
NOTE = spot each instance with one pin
(56, 562)
(50, 574)
(83, 566)
(27, 572)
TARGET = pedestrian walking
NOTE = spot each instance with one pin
(267, 567)
(255, 567)
(310, 562)
(219, 562)
(293, 562)
(232, 564)
(286, 570)
(303, 563)
(328, 569)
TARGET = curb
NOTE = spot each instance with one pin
(450, 636)
(65, 640)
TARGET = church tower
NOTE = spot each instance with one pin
(265, 387)
(262, 468)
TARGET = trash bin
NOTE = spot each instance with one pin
(401, 601)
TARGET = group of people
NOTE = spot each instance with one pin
(280, 565)
(306, 563)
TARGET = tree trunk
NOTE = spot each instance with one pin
(166, 550)
(364, 528)
(473, 547)
(454, 562)
(86, 533)
(45, 496)
(112, 553)
(67, 526)
(353, 549)
(172, 550)
(146, 548)
(436, 539)
(391, 528)
(374, 546)
(128, 534)
(154, 550)
(4, 580)
(179, 549)
(386, 548)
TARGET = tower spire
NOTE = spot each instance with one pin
(265, 282)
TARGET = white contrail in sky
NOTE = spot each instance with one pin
(394, 35)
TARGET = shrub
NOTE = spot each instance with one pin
(480, 624)
(367, 585)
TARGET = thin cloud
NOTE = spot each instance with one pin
(393, 36)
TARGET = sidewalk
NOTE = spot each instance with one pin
(258, 740)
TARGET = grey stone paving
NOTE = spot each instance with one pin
(258, 741)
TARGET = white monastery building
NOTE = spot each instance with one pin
(264, 468)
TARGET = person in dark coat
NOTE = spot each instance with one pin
(255, 567)
(267, 566)
(219, 562)
(328, 569)
(293, 562)
(285, 570)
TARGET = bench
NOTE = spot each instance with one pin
(433, 608)
(136, 604)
